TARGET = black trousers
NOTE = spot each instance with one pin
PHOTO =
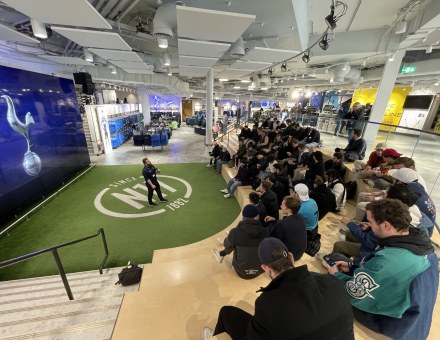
(151, 190)
(233, 321)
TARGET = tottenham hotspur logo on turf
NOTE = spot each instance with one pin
(127, 197)
(361, 286)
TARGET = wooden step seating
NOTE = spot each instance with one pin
(39, 307)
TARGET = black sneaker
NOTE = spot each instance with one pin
(152, 204)
(163, 200)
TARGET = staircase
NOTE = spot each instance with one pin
(39, 307)
(88, 136)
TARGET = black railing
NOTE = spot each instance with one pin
(54, 251)
(234, 126)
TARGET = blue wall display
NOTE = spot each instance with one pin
(317, 100)
(164, 103)
(42, 141)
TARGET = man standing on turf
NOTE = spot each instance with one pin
(149, 172)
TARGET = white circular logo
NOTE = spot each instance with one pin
(128, 197)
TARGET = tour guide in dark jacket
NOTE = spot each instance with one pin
(243, 240)
(297, 304)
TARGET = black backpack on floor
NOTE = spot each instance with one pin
(130, 275)
(351, 187)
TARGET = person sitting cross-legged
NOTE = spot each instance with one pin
(243, 240)
(393, 289)
(297, 304)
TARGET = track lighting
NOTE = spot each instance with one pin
(306, 57)
(162, 43)
(251, 78)
(284, 67)
(392, 56)
(324, 42)
(345, 67)
(114, 70)
(270, 72)
(259, 75)
(330, 19)
(429, 49)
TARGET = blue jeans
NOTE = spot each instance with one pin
(218, 166)
(232, 186)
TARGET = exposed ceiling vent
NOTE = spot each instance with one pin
(164, 21)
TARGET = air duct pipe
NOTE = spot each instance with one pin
(164, 21)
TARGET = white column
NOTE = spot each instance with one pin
(384, 90)
(144, 98)
(209, 102)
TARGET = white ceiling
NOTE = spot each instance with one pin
(116, 55)
(208, 25)
(9, 34)
(270, 55)
(67, 60)
(202, 48)
(62, 12)
(138, 70)
(193, 71)
(250, 65)
(98, 39)
(130, 64)
(196, 61)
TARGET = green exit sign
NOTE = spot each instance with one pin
(408, 69)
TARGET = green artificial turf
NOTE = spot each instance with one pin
(73, 215)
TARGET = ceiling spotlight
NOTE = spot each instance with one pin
(114, 70)
(259, 75)
(437, 83)
(327, 69)
(345, 67)
(429, 49)
(237, 87)
(223, 79)
(162, 43)
(324, 42)
(392, 56)
(302, 76)
(330, 19)
(246, 81)
(38, 29)
(169, 72)
(270, 72)
(251, 78)
(284, 67)
(306, 57)
(264, 88)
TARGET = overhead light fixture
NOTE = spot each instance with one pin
(324, 42)
(331, 80)
(330, 19)
(162, 43)
(169, 72)
(38, 29)
(223, 79)
(345, 67)
(295, 78)
(364, 63)
(237, 87)
(327, 69)
(245, 81)
(264, 88)
(437, 83)
(302, 76)
(259, 75)
(270, 72)
(306, 57)
(392, 56)
(166, 59)
(114, 70)
(284, 67)
(429, 49)
(400, 28)
(87, 55)
(251, 78)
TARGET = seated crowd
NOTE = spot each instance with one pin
(383, 272)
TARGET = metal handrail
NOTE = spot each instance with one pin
(54, 251)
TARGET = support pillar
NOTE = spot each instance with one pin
(144, 99)
(384, 90)
(209, 104)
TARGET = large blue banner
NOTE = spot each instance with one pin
(42, 141)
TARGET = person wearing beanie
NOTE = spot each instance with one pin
(243, 241)
(296, 304)
(362, 169)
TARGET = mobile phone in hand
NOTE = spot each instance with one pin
(330, 262)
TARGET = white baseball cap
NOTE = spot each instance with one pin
(303, 191)
(404, 175)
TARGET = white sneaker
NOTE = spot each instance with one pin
(342, 237)
(224, 191)
(370, 182)
(220, 240)
(207, 333)
(227, 232)
(217, 255)
(227, 196)
(209, 165)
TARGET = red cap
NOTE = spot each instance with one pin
(391, 153)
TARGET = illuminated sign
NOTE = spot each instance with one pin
(408, 69)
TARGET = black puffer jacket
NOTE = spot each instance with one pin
(244, 241)
(270, 202)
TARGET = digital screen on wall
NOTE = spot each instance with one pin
(42, 142)
(417, 102)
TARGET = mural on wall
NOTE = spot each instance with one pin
(164, 103)
(394, 109)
